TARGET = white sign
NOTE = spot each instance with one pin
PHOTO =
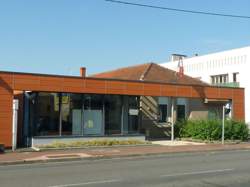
(133, 112)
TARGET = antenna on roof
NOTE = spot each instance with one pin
(180, 68)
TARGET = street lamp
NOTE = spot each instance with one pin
(225, 110)
(223, 125)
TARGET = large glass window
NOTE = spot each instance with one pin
(93, 114)
(47, 114)
(113, 114)
(93, 102)
(62, 114)
(71, 114)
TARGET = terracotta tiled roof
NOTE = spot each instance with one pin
(149, 72)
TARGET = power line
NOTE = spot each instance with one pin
(179, 10)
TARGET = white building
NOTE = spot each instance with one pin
(228, 68)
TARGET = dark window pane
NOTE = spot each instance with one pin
(71, 114)
(163, 112)
(93, 102)
(181, 113)
(133, 114)
(113, 114)
(47, 117)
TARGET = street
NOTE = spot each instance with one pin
(222, 168)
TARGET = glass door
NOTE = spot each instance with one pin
(93, 115)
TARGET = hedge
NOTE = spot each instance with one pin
(101, 142)
(211, 129)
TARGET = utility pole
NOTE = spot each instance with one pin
(223, 125)
(172, 119)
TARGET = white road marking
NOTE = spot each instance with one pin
(86, 183)
(198, 172)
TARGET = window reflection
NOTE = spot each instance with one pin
(47, 114)
(68, 114)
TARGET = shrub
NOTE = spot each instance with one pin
(211, 129)
(236, 130)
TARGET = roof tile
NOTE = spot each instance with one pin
(150, 72)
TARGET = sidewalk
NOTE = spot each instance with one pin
(109, 152)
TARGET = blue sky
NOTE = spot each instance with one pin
(59, 36)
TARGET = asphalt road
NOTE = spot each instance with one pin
(210, 169)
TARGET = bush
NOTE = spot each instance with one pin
(236, 130)
(211, 130)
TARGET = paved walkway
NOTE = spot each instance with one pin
(50, 155)
(175, 143)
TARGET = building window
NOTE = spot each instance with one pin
(163, 112)
(47, 114)
(71, 114)
(235, 77)
(181, 112)
(113, 114)
(133, 114)
(57, 114)
(163, 109)
(219, 79)
(213, 114)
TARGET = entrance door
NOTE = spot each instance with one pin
(93, 115)
(92, 122)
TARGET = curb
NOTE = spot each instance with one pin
(22, 162)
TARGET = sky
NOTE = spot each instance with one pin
(60, 36)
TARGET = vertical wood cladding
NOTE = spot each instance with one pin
(238, 104)
(36, 82)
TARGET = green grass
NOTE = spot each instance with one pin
(94, 143)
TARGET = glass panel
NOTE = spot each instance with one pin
(133, 118)
(181, 113)
(93, 114)
(93, 102)
(71, 114)
(92, 122)
(47, 114)
(163, 112)
(213, 114)
(32, 114)
(113, 114)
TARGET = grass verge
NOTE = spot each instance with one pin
(92, 143)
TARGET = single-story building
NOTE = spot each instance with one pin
(139, 101)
